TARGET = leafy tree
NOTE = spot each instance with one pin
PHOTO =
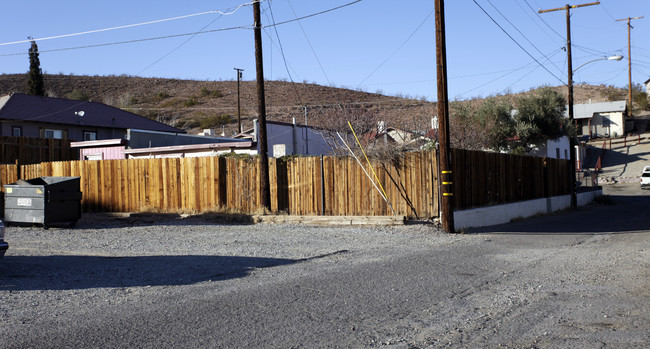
(540, 117)
(639, 96)
(484, 126)
(35, 85)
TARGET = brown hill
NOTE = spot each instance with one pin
(193, 105)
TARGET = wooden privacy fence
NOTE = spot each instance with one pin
(300, 186)
(34, 150)
(485, 179)
(306, 185)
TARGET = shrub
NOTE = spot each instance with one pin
(215, 121)
(77, 95)
(191, 102)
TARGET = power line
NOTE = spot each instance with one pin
(180, 35)
(515, 41)
(399, 48)
(522, 34)
(128, 25)
(129, 41)
(543, 21)
(177, 47)
(284, 58)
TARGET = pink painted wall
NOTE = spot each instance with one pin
(107, 153)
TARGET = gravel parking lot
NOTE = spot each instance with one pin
(570, 280)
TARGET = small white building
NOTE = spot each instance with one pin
(292, 139)
(606, 119)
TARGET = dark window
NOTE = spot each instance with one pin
(90, 136)
(51, 133)
(16, 131)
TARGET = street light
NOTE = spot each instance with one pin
(572, 147)
(610, 58)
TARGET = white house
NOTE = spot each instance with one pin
(606, 119)
(292, 139)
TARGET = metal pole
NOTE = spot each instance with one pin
(259, 65)
(445, 172)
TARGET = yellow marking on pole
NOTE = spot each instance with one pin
(447, 183)
(446, 172)
(447, 194)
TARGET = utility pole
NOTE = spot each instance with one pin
(629, 60)
(572, 142)
(445, 170)
(259, 65)
(239, 75)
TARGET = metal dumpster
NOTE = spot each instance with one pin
(43, 200)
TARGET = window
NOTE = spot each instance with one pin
(16, 131)
(566, 154)
(557, 153)
(90, 136)
(56, 134)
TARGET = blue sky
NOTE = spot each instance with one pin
(371, 45)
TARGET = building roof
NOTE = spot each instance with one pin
(586, 111)
(24, 107)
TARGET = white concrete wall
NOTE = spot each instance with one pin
(493, 215)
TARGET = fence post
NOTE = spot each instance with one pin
(322, 187)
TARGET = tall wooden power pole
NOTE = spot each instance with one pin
(445, 168)
(239, 74)
(261, 104)
(629, 60)
(572, 142)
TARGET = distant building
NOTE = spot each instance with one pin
(292, 139)
(606, 119)
(31, 116)
(139, 144)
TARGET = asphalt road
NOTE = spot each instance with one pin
(569, 280)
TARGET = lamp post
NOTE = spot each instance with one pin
(572, 156)
(610, 58)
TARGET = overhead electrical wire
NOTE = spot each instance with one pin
(176, 48)
(284, 58)
(309, 43)
(180, 35)
(515, 41)
(398, 48)
(522, 34)
(130, 25)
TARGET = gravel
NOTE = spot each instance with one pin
(569, 280)
(106, 260)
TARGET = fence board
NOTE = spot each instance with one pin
(204, 184)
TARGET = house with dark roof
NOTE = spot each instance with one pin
(24, 115)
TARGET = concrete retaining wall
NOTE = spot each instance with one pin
(492, 215)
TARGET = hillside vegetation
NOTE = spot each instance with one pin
(193, 105)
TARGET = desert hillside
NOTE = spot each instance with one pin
(193, 105)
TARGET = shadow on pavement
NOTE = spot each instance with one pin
(82, 272)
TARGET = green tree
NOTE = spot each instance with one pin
(484, 126)
(639, 97)
(35, 85)
(540, 117)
